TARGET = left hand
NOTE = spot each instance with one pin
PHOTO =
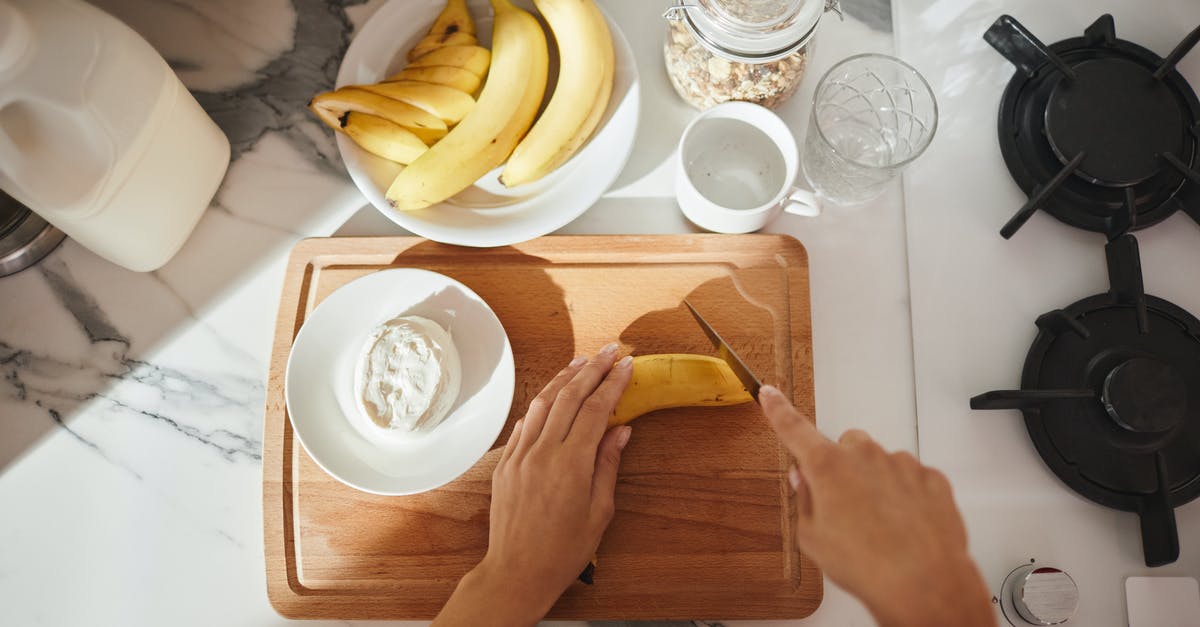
(552, 492)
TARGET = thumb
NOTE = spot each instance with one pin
(604, 479)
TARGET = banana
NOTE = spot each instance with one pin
(331, 106)
(381, 137)
(503, 114)
(474, 59)
(434, 42)
(453, 26)
(677, 380)
(455, 18)
(585, 80)
(449, 76)
(447, 103)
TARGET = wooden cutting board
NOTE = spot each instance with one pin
(703, 521)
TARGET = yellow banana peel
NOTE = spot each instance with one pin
(677, 380)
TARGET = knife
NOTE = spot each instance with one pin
(738, 366)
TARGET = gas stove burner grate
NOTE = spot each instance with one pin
(1111, 398)
(1101, 133)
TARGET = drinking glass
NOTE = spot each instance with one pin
(872, 116)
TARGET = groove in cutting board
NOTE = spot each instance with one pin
(703, 522)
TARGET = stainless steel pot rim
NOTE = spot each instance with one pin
(25, 239)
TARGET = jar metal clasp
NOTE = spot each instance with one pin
(836, 7)
(677, 12)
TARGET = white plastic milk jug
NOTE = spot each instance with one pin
(97, 134)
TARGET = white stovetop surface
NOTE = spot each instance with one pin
(975, 297)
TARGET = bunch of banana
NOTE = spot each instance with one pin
(485, 138)
(677, 380)
(424, 116)
(585, 81)
(399, 118)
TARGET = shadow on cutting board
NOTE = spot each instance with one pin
(530, 305)
(745, 321)
(468, 322)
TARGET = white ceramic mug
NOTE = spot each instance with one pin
(737, 170)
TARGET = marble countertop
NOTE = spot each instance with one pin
(131, 404)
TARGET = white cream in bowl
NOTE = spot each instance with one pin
(408, 374)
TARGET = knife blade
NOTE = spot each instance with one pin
(735, 362)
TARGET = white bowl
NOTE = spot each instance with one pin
(319, 384)
(489, 214)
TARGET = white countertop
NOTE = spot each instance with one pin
(131, 404)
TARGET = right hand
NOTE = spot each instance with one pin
(881, 525)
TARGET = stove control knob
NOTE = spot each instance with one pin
(1042, 595)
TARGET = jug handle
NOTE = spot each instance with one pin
(10, 157)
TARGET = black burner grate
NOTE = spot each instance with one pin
(1111, 398)
(1101, 133)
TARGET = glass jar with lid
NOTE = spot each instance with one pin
(750, 50)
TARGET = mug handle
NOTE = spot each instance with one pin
(801, 202)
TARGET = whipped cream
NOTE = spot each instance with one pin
(408, 374)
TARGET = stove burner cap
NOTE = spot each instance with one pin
(1116, 112)
(1145, 396)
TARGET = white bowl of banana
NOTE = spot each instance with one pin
(455, 121)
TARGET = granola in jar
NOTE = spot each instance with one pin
(704, 79)
(749, 50)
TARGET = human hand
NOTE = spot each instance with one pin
(552, 496)
(881, 525)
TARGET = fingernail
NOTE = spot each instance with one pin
(794, 478)
(609, 350)
(578, 361)
(625, 362)
(623, 437)
(770, 391)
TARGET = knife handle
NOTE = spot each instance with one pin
(588, 571)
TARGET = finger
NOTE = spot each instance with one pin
(513, 438)
(592, 420)
(539, 407)
(793, 428)
(908, 461)
(855, 436)
(572, 396)
(604, 479)
(936, 482)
